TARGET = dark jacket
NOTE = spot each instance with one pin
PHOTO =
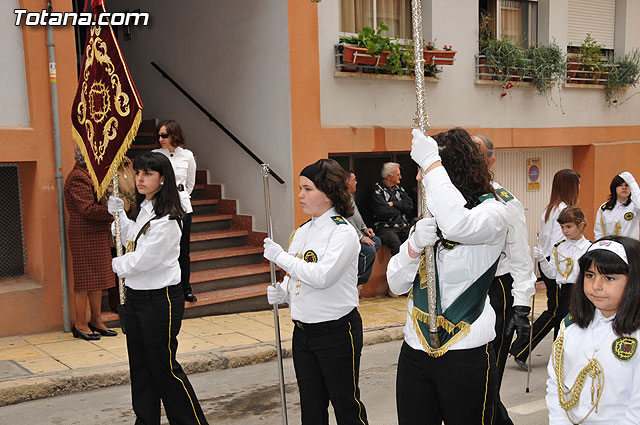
(385, 215)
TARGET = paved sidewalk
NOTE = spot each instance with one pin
(45, 365)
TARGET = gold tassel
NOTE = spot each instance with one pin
(418, 315)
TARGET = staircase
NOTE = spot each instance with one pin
(228, 272)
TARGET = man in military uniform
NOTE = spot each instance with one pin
(514, 284)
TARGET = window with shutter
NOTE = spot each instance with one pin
(513, 20)
(596, 17)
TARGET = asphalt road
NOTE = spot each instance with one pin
(250, 395)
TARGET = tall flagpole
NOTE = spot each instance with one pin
(272, 269)
(421, 121)
(118, 237)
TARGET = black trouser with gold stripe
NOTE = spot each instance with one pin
(502, 302)
(558, 298)
(153, 319)
(326, 357)
(457, 387)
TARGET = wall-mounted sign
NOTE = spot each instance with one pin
(533, 174)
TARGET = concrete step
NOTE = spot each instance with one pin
(216, 239)
(226, 257)
(209, 222)
(225, 301)
(230, 277)
(204, 206)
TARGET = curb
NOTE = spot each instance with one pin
(60, 383)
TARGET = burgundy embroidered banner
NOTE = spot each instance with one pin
(107, 110)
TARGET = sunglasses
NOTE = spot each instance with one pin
(164, 135)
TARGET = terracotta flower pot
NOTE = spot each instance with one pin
(573, 67)
(354, 54)
(439, 57)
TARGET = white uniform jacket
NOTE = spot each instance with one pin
(517, 255)
(480, 232)
(620, 400)
(154, 263)
(550, 231)
(569, 248)
(184, 167)
(627, 218)
(322, 269)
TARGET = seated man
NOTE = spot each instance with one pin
(369, 242)
(390, 205)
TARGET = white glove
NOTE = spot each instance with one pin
(115, 205)
(537, 253)
(276, 295)
(424, 150)
(423, 234)
(271, 250)
(630, 180)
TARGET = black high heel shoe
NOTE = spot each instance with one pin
(103, 332)
(87, 337)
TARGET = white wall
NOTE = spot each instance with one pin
(232, 56)
(14, 104)
(456, 100)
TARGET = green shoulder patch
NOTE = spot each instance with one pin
(486, 196)
(504, 194)
(338, 219)
(558, 243)
(568, 320)
(629, 216)
(624, 348)
(449, 245)
(603, 206)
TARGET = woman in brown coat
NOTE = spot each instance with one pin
(89, 230)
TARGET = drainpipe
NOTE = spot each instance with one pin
(55, 116)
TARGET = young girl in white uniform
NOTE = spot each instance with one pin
(563, 268)
(171, 138)
(455, 382)
(154, 298)
(321, 289)
(620, 214)
(594, 369)
(564, 193)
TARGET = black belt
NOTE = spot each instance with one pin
(328, 325)
(180, 187)
(150, 293)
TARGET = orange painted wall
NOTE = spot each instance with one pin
(36, 310)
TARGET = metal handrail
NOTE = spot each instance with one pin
(215, 121)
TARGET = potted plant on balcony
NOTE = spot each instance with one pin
(590, 54)
(434, 56)
(505, 61)
(624, 74)
(369, 47)
(546, 67)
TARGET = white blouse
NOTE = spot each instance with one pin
(550, 231)
(184, 167)
(620, 400)
(322, 269)
(154, 263)
(480, 232)
(569, 252)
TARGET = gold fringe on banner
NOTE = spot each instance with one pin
(101, 187)
(418, 316)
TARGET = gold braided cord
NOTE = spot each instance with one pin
(617, 229)
(418, 315)
(569, 267)
(593, 369)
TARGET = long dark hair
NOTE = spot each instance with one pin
(332, 180)
(565, 188)
(174, 130)
(465, 164)
(613, 196)
(627, 318)
(167, 200)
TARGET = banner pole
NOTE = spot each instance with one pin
(272, 269)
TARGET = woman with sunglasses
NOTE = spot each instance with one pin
(171, 138)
